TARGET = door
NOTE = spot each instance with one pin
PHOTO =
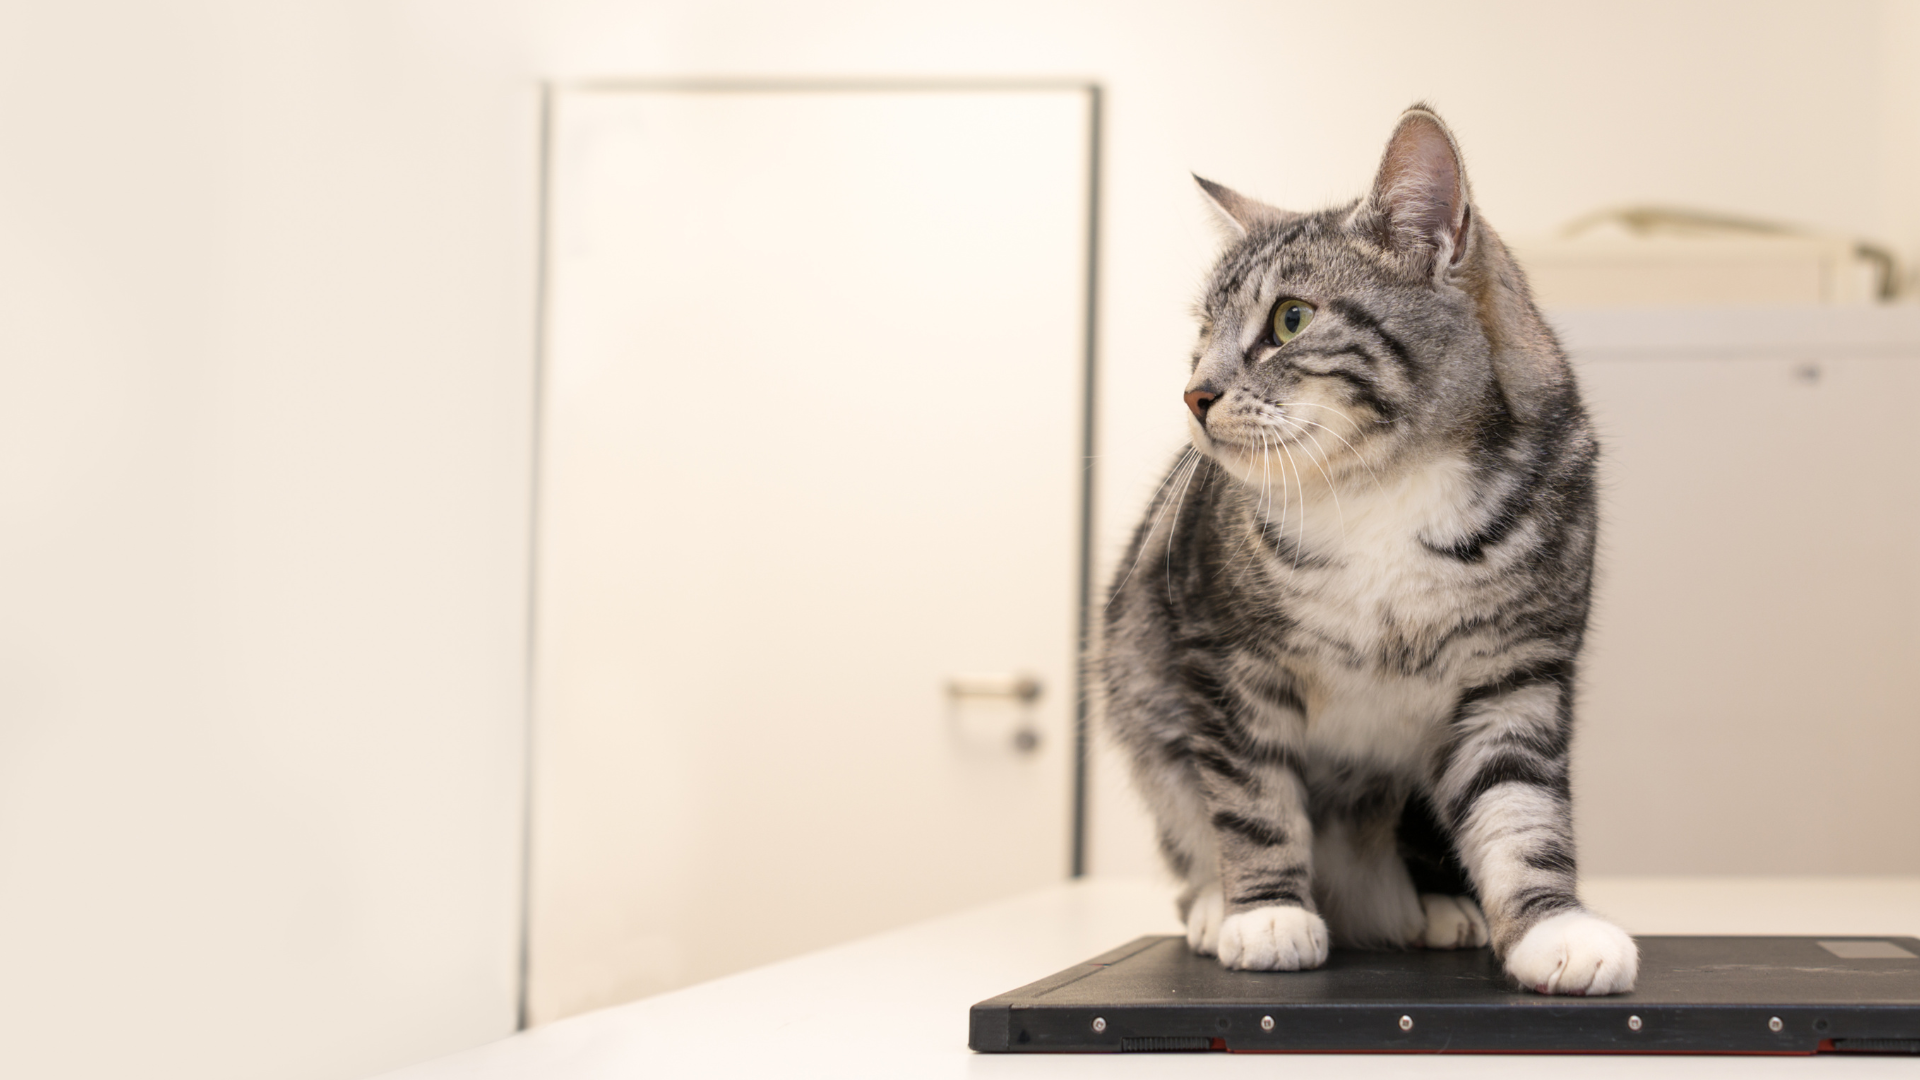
(811, 463)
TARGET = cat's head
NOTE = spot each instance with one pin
(1370, 333)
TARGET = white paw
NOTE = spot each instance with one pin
(1203, 921)
(1575, 953)
(1273, 939)
(1453, 922)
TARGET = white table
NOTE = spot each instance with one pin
(895, 1005)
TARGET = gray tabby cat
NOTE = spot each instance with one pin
(1344, 668)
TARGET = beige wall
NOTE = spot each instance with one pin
(265, 281)
(1896, 64)
(264, 385)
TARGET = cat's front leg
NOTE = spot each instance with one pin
(1265, 839)
(1503, 792)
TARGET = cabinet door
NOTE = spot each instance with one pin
(814, 398)
(1749, 687)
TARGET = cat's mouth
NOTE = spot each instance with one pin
(1256, 449)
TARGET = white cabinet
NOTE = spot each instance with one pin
(1751, 693)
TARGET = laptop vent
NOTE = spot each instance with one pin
(1146, 1044)
(1882, 1046)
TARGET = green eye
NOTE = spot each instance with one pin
(1289, 318)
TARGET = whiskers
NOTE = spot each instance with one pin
(1275, 451)
(1320, 464)
(1301, 487)
(1190, 460)
(1351, 449)
(1174, 529)
(1266, 484)
(1263, 493)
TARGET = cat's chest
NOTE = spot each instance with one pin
(1376, 581)
(1382, 629)
(1384, 603)
(1369, 645)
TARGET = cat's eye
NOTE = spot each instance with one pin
(1289, 318)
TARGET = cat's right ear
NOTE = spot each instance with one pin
(1234, 213)
(1420, 201)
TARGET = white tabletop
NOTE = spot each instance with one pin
(895, 1005)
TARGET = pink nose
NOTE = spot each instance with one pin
(1198, 402)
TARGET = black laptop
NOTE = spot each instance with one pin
(1726, 995)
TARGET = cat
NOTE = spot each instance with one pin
(1340, 650)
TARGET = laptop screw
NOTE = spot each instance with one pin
(1099, 1023)
(1406, 1023)
(1775, 1024)
(1266, 1023)
(1633, 1023)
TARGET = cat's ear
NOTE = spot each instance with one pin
(1234, 213)
(1420, 201)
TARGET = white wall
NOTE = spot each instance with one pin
(266, 272)
(266, 280)
(1896, 64)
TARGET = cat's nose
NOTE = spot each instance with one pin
(1198, 402)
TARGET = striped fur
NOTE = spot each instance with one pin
(1341, 649)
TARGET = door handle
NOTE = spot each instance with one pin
(1025, 689)
(1019, 689)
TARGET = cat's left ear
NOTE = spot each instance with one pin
(1234, 213)
(1420, 198)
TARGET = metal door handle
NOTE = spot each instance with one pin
(1025, 689)
(1018, 688)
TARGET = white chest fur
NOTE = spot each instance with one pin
(1378, 597)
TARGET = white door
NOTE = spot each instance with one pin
(813, 415)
